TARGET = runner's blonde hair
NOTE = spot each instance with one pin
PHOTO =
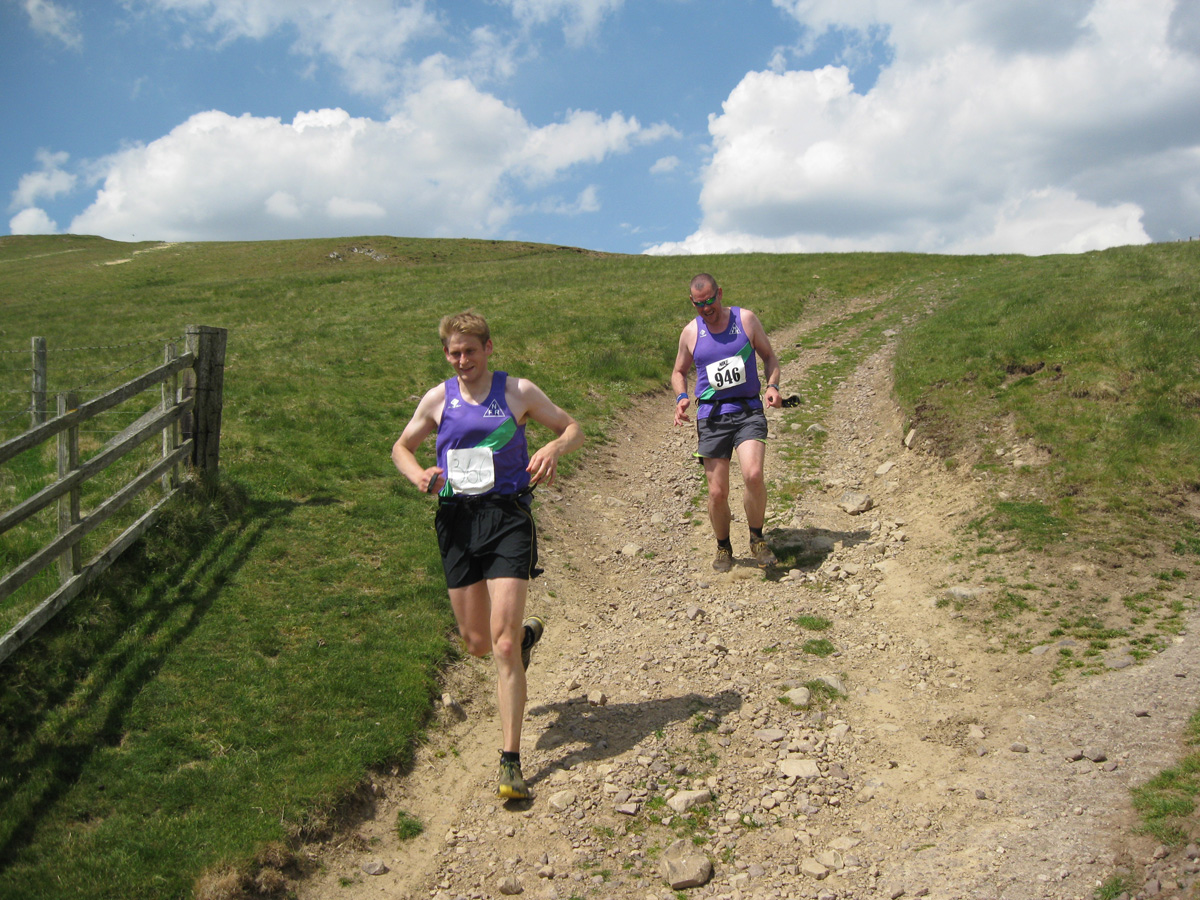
(464, 323)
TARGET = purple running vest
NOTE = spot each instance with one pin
(734, 382)
(489, 424)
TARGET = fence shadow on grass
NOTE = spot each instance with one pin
(68, 692)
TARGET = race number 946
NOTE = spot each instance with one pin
(726, 373)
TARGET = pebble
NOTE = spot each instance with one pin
(562, 800)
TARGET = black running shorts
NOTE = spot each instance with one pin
(486, 538)
(719, 435)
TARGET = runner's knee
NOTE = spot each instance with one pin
(506, 647)
(477, 644)
(718, 492)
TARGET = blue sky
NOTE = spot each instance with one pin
(658, 126)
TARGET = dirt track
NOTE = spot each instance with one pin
(950, 767)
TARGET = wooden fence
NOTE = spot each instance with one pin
(189, 421)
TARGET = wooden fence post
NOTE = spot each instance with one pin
(170, 435)
(71, 562)
(37, 402)
(207, 385)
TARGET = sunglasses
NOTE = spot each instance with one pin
(700, 304)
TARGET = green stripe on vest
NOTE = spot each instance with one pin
(500, 436)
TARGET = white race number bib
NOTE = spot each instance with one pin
(470, 470)
(726, 373)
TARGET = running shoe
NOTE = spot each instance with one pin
(534, 626)
(723, 561)
(512, 782)
(762, 553)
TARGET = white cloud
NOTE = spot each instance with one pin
(998, 126)
(1056, 221)
(581, 18)
(918, 29)
(361, 210)
(583, 137)
(50, 181)
(283, 205)
(52, 20)
(588, 201)
(365, 39)
(32, 221)
(664, 165)
(452, 161)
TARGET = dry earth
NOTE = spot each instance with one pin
(951, 767)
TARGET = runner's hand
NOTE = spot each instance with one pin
(431, 486)
(543, 466)
(681, 411)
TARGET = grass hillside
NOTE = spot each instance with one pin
(232, 680)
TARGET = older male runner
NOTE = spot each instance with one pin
(724, 344)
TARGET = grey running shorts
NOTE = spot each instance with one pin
(719, 435)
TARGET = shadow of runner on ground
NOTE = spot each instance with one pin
(608, 731)
(807, 549)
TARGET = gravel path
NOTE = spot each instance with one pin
(668, 719)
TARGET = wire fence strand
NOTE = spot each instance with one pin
(90, 349)
(85, 383)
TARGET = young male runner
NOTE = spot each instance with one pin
(724, 344)
(484, 477)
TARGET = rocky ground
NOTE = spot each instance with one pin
(684, 724)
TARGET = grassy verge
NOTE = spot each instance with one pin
(1068, 388)
(1079, 376)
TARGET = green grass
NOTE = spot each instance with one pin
(1114, 886)
(819, 647)
(821, 692)
(1166, 804)
(408, 826)
(1032, 521)
(1090, 358)
(230, 684)
(812, 622)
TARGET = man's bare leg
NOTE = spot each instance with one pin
(507, 631)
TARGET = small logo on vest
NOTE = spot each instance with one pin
(455, 403)
(494, 411)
